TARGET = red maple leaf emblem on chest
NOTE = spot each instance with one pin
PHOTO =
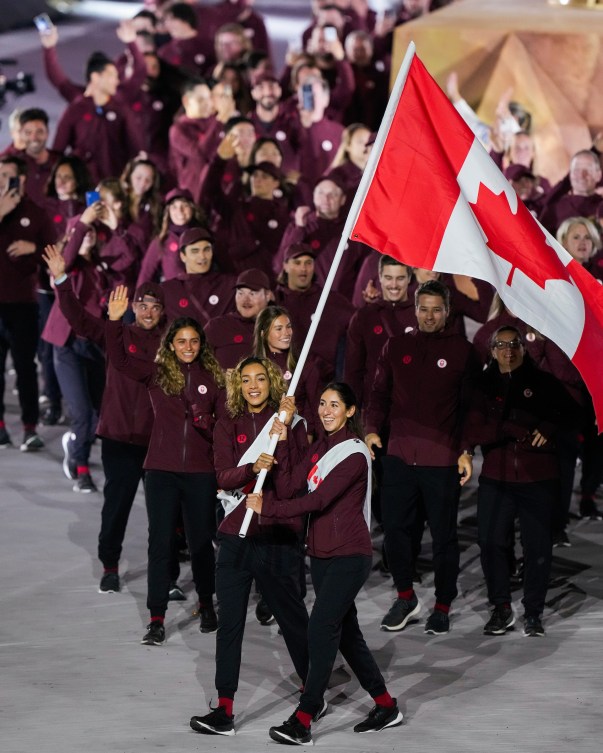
(517, 238)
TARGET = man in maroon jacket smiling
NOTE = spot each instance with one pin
(420, 385)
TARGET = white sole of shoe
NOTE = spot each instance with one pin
(404, 623)
(279, 737)
(501, 632)
(431, 631)
(204, 729)
(28, 448)
(394, 723)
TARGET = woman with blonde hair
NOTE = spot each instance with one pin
(351, 158)
(580, 237)
(186, 388)
(269, 554)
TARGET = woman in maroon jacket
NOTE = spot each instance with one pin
(337, 477)
(271, 552)
(162, 260)
(79, 363)
(140, 181)
(185, 386)
(272, 338)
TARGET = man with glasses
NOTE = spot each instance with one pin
(515, 413)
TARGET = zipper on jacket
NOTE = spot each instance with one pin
(187, 384)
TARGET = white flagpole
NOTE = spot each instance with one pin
(355, 208)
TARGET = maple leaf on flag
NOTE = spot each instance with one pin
(516, 238)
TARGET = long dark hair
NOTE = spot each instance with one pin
(348, 398)
(83, 181)
(152, 197)
(264, 321)
(169, 375)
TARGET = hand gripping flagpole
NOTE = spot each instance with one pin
(359, 197)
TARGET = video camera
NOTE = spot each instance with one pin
(22, 83)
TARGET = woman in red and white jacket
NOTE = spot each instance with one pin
(185, 386)
(337, 479)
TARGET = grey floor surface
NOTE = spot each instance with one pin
(74, 676)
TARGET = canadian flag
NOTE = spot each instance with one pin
(435, 199)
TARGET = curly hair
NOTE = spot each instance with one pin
(169, 374)
(264, 321)
(236, 403)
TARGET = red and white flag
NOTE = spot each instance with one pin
(437, 200)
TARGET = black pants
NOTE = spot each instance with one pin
(592, 460)
(80, 369)
(404, 487)
(19, 335)
(274, 564)
(166, 494)
(334, 626)
(498, 504)
(122, 464)
(568, 445)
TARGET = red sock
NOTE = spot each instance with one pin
(384, 699)
(442, 607)
(2, 425)
(29, 427)
(82, 469)
(158, 619)
(304, 718)
(111, 570)
(406, 595)
(226, 704)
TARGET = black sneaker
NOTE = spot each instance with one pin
(532, 627)
(155, 635)
(5, 440)
(561, 539)
(321, 712)
(501, 620)
(109, 584)
(402, 610)
(588, 509)
(52, 415)
(217, 722)
(84, 484)
(69, 465)
(208, 622)
(32, 442)
(263, 614)
(379, 718)
(291, 732)
(437, 623)
(176, 593)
